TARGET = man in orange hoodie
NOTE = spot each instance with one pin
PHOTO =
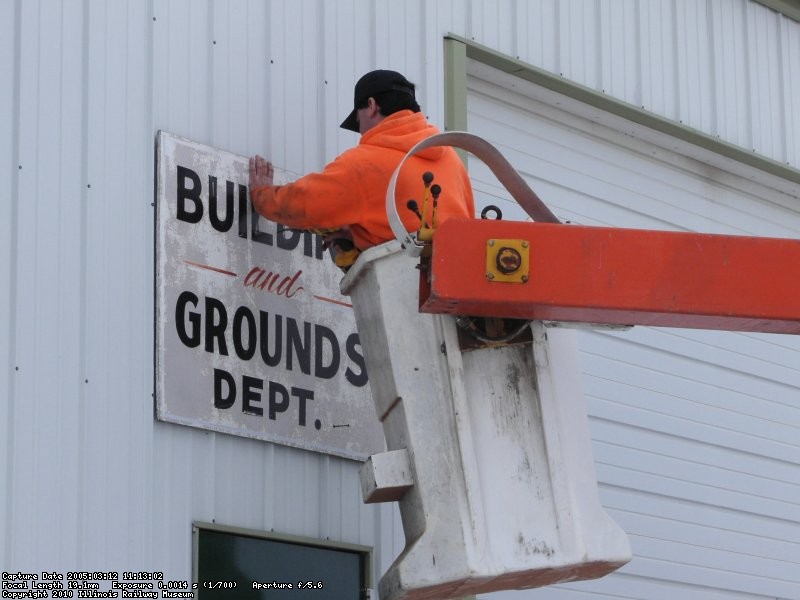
(349, 194)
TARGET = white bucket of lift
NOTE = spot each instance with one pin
(489, 454)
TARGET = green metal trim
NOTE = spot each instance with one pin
(280, 537)
(622, 109)
(455, 85)
(455, 88)
(788, 8)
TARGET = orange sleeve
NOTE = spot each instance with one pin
(330, 199)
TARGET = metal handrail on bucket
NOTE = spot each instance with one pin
(497, 163)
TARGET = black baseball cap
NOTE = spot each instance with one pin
(370, 85)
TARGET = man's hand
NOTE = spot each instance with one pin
(261, 171)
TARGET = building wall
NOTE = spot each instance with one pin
(89, 478)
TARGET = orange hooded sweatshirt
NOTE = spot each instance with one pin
(351, 190)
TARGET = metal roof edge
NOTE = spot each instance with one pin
(788, 8)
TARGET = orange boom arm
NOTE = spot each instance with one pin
(614, 276)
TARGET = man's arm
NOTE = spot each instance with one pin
(327, 200)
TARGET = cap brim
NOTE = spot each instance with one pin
(351, 122)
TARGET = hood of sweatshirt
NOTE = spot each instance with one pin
(401, 131)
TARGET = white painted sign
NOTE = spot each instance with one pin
(253, 337)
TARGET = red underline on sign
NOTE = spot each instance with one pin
(332, 301)
(215, 269)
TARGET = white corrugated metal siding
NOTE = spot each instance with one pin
(89, 479)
